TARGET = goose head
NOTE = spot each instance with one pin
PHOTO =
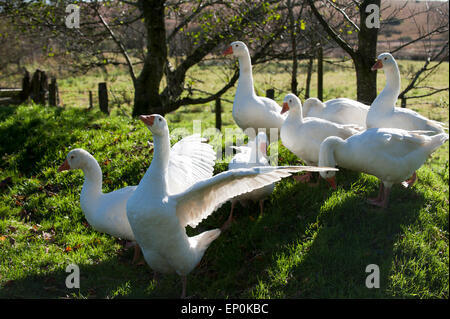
(330, 177)
(291, 103)
(76, 159)
(156, 123)
(237, 49)
(384, 60)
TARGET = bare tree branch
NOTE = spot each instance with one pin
(121, 46)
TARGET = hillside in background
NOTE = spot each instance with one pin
(401, 28)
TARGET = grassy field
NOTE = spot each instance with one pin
(310, 242)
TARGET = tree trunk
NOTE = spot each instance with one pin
(294, 48)
(218, 114)
(320, 73)
(308, 76)
(147, 99)
(103, 97)
(366, 80)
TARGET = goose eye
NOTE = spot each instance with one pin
(72, 157)
(385, 58)
(160, 119)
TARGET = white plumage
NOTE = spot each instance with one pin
(105, 212)
(158, 218)
(250, 110)
(383, 113)
(302, 136)
(253, 154)
(341, 111)
(390, 154)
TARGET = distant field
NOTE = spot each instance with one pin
(339, 81)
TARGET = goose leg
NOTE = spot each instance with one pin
(373, 201)
(410, 181)
(385, 201)
(261, 207)
(137, 254)
(304, 178)
(228, 222)
(184, 283)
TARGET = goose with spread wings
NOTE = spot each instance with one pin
(158, 218)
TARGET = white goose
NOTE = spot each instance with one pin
(253, 154)
(387, 153)
(158, 218)
(383, 113)
(105, 212)
(341, 110)
(250, 110)
(302, 136)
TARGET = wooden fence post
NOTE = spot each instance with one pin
(35, 84)
(91, 103)
(320, 73)
(218, 114)
(53, 94)
(43, 88)
(270, 93)
(103, 97)
(308, 76)
(26, 87)
(39, 87)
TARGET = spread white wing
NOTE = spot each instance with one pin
(200, 200)
(190, 161)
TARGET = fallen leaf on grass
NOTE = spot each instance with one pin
(2, 238)
(12, 229)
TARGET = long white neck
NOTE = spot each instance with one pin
(157, 172)
(387, 99)
(92, 185)
(295, 114)
(245, 83)
(326, 153)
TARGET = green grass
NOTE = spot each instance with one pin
(310, 242)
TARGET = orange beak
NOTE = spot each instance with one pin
(64, 166)
(377, 65)
(147, 119)
(285, 108)
(228, 51)
(332, 182)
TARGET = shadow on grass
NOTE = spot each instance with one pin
(114, 277)
(352, 235)
(29, 133)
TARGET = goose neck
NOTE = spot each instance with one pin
(327, 151)
(295, 114)
(157, 172)
(245, 83)
(92, 178)
(389, 95)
